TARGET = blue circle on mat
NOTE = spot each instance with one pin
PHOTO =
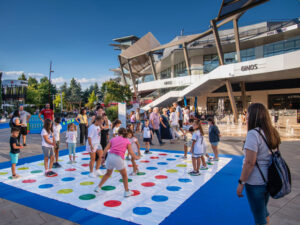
(86, 158)
(184, 180)
(177, 156)
(162, 163)
(159, 198)
(142, 210)
(68, 179)
(173, 188)
(44, 186)
(151, 168)
(85, 173)
(171, 159)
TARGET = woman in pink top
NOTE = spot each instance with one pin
(115, 159)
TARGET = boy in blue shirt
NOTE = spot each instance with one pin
(14, 151)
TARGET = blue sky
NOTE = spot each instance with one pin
(75, 34)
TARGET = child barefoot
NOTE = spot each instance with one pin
(135, 148)
(116, 127)
(14, 150)
(56, 132)
(147, 134)
(48, 143)
(93, 146)
(198, 149)
(71, 136)
(115, 159)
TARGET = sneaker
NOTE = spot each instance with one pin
(192, 172)
(133, 174)
(92, 175)
(74, 161)
(97, 189)
(98, 172)
(196, 174)
(58, 165)
(148, 152)
(24, 144)
(203, 168)
(70, 162)
(184, 157)
(54, 165)
(128, 193)
(51, 174)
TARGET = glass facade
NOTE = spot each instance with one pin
(247, 54)
(165, 74)
(284, 101)
(212, 103)
(149, 78)
(281, 47)
(180, 70)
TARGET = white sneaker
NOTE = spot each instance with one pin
(132, 174)
(92, 175)
(99, 172)
(97, 189)
(128, 193)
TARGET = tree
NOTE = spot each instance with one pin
(74, 92)
(58, 100)
(43, 91)
(32, 82)
(22, 77)
(114, 92)
(92, 100)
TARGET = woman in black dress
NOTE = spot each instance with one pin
(165, 130)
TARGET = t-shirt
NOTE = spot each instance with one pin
(132, 118)
(50, 137)
(47, 113)
(178, 109)
(83, 119)
(23, 117)
(174, 119)
(116, 130)
(94, 132)
(56, 131)
(199, 147)
(71, 136)
(12, 141)
(254, 142)
(118, 145)
(186, 116)
(14, 121)
(156, 121)
(146, 132)
(134, 146)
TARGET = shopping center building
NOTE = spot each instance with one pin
(262, 67)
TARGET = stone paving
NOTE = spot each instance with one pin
(284, 211)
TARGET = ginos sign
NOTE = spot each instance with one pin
(249, 67)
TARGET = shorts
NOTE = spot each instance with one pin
(197, 155)
(258, 198)
(214, 143)
(14, 158)
(57, 145)
(48, 151)
(72, 148)
(147, 140)
(23, 131)
(180, 123)
(114, 161)
(96, 147)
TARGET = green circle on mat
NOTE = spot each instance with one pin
(3, 173)
(23, 168)
(86, 183)
(87, 197)
(172, 171)
(108, 188)
(36, 171)
(65, 191)
(129, 180)
(140, 173)
(181, 165)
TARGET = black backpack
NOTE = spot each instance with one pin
(279, 181)
(11, 123)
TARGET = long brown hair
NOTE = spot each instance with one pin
(198, 122)
(258, 116)
(48, 126)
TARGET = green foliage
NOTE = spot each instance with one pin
(22, 77)
(57, 101)
(112, 113)
(91, 101)
(74, 96)
(32, 82)
(114, 92)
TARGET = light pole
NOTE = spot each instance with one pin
(50, 71)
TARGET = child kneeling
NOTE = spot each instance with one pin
(115, 159)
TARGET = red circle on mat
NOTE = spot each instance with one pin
(144, 161)
(148, 184)
(135, 192)
(85, 164)
(162, 154)
(28, 181)
(112, 203)
(85, 153)
(160, 177)
(70, 169)
(129, 165)
(154, 157)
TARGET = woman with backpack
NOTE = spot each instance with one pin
(261, 134)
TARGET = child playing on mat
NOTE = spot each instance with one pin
(14, 150)
(147, 134)
(56, 132)
(71, 136)
(135, 148)
(48, 142)
(93, 146)
(115, 159)
(116, 127)
(198, 149)
(187, 136)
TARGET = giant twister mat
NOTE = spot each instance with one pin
(163, 191)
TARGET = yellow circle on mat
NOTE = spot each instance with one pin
(3, 173)
(188, 161)
(117, 171)
(41, 164)
(65, 191)
(181, 165)
(60, 160)
(172, 171)
(23, 168)
(86, 183)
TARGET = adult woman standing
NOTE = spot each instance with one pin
(214, 137)
(257, 154)
(165, 130)
(82, 119)
(174, 123)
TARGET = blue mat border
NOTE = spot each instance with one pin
(201, 207)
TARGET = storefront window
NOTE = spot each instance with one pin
(284, 101)
(212, 103)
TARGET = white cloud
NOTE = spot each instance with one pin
(16, 74)
(36, 75)
(58, 80)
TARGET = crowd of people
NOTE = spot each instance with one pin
(167, 124)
